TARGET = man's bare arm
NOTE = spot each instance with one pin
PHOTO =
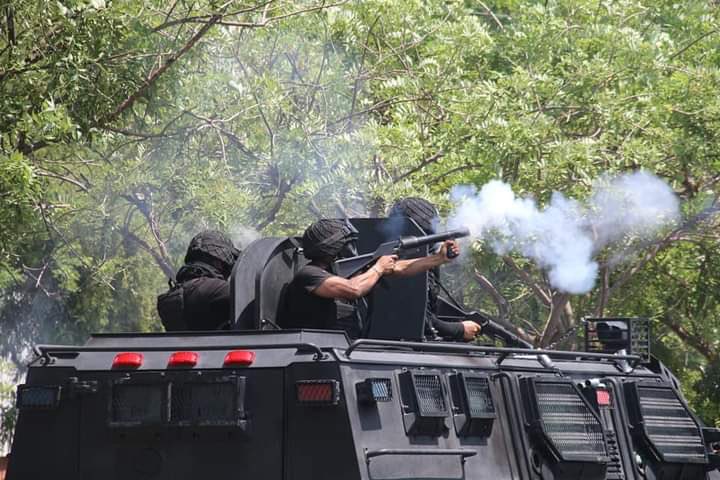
(413, 266)
(358, 286)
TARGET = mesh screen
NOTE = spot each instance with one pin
(669, 425)
(38, 397)
(567, 420)
(381, 389)
(203, 402)
(429, 393)
(137, 403)
(478, 396)
(640, 338)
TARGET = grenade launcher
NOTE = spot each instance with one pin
(347, 267)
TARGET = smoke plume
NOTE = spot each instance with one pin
(564, 236)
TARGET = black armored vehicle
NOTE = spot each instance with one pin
(257, 402)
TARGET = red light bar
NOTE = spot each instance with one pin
(239, 358)
(127, 360)
(318, 392)
(603, 397)
(183, 359)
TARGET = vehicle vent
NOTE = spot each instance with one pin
(381, 389)
(562, 421)
(479, 399)
(666, 424)
(205, 403)
(373, 390)
(424, 402)
(38, 397)
(568, 421)
(473, 407)
(669, 425)
(429, 392)
(137, 404)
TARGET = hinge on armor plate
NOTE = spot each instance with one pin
(78, 387)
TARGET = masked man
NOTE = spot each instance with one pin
(316, 298)
(199, 299)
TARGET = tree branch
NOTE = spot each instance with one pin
(553, 327)
(153, 77)
(543, 296)
(699, 343)
(44, 173)
(502, 304)
(147, 211)
(167, 269)
(431, 159)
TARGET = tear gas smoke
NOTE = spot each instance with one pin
(565, 235)
(243, 236)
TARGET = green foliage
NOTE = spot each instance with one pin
(8, 412)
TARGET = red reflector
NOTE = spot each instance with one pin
(603, 398)
(183, 359)
(127, 360)
(318, 391)
(239, 357)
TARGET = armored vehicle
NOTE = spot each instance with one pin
(257, 402)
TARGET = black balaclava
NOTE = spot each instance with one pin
(212, 248)
(420, 210)
(327, 238)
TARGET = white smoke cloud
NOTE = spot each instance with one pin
(242, 236)
(564, 236)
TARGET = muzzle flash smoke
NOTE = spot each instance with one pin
(565, 235)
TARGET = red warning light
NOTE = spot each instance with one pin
(322, 392)
(239, 358)
(127, 360)
(183, 359)
(603, 398)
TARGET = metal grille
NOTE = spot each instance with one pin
(615, 468)
(669, 425)
(137, 403)
(479, 399)
(429, 394)
(381, 389)
(640, 338)
(568, 421)
(203, 403)
(35, 397)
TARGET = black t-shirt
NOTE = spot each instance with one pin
(303, 309)
(207, 303)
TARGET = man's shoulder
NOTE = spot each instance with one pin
(312, 269)
(311, 275)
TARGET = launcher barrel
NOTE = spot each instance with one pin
(407, 243)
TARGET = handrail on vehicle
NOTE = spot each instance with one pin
(463, 452)
(46, 351)
(502, 352)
